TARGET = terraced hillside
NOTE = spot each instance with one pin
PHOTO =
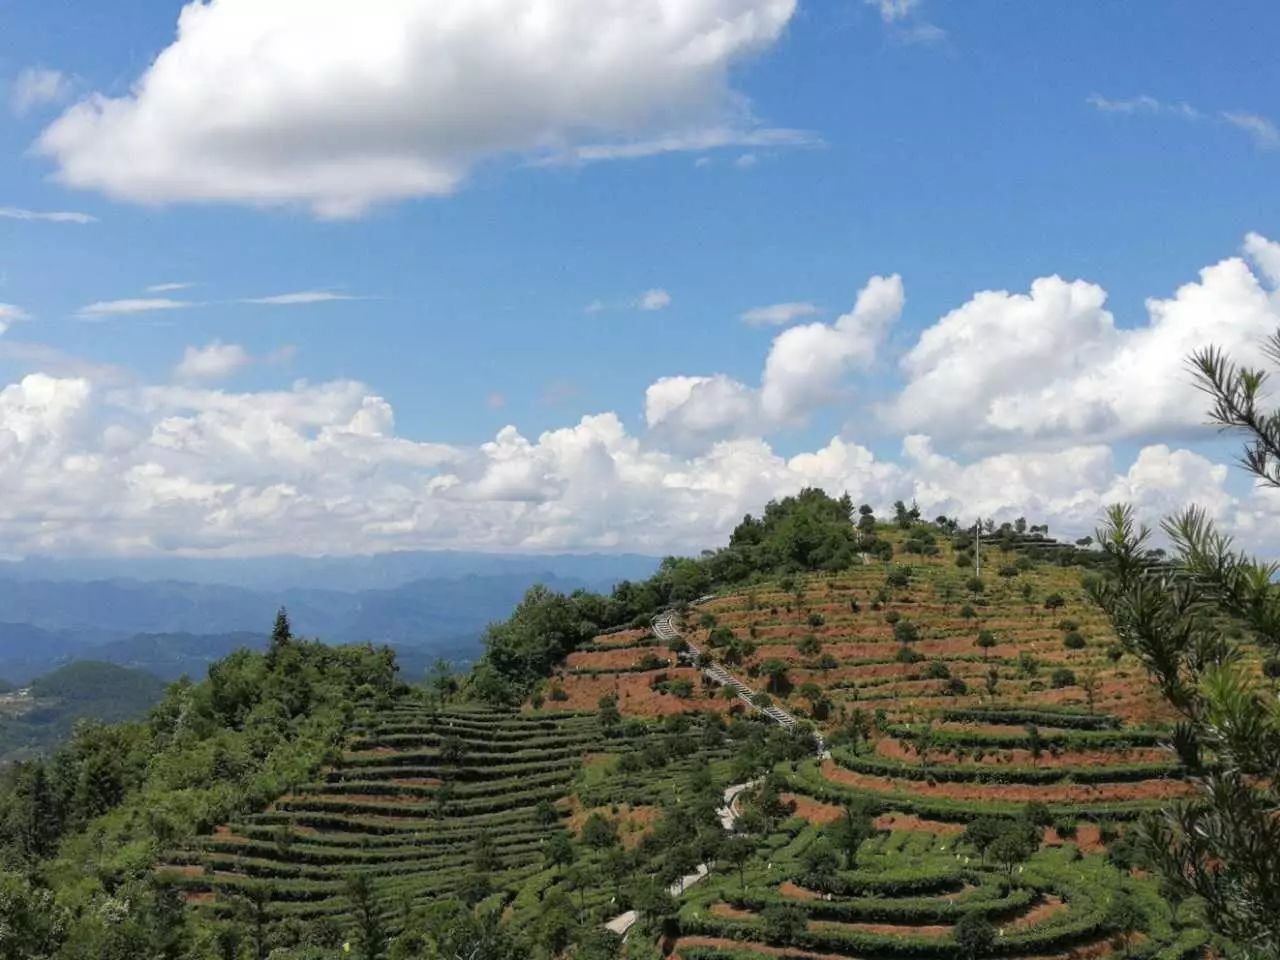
(947, 701)
(513, 812)
(416, 795)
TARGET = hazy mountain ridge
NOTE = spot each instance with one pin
(170, 627)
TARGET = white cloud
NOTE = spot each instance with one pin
(805, 369)
(50, 216)
(119, 308)
(806, 364)
(779, 314)
(1264, 132)
(320, 469)
(215, 361)
(894, 10)
(1053, 363)
(1143, 103)
(696, 141)
(649, 301)
(37, 87)
(1265, 254)
(169, 287)
(340, 107)
(8, 314)
(94, 462)
(654, 300)
(300, 298)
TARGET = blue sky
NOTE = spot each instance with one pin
(963, 147)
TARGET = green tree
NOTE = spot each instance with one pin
(783, 922)
(850, 830)
(559, 851)
(1195, 620)
(282, 634)
(1011, 848)
(371, 936)
(599, 832)
(974, 935)
(737, 853)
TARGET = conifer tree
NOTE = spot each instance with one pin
(1197, 623)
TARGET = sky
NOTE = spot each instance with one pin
(605, 275)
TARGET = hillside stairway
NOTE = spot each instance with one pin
(664, 628)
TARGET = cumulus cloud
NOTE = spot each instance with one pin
(49, 216)
(1052, 363)
(36, 87)
(121, 308)
(806, 367)
(336, 107)
(779, 314)
(94, 463)
(319, 468)
(215, 361)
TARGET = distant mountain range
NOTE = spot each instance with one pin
(54, 612)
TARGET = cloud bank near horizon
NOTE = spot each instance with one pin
(1010, 404)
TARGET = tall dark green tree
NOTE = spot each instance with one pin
(1197, 619)
(281, 632)
(371, 936)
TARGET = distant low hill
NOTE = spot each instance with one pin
(41, 716)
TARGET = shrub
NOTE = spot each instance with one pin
(1074, 640)
(809, 646)
(974, 936)
(967, 612)
(816, 619)
(1054, 601)
(784, 922)
(1062, 677)
(720, 637)
(937, 670)
(891, 617)
(907, 655)
(558, 694)
(904, 631)
(955, 687)
(899, 577)
(975, 585)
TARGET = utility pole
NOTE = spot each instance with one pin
(977, 548)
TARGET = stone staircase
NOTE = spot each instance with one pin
(664, 628)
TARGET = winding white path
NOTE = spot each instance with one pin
(622, 924)
(664, 627)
